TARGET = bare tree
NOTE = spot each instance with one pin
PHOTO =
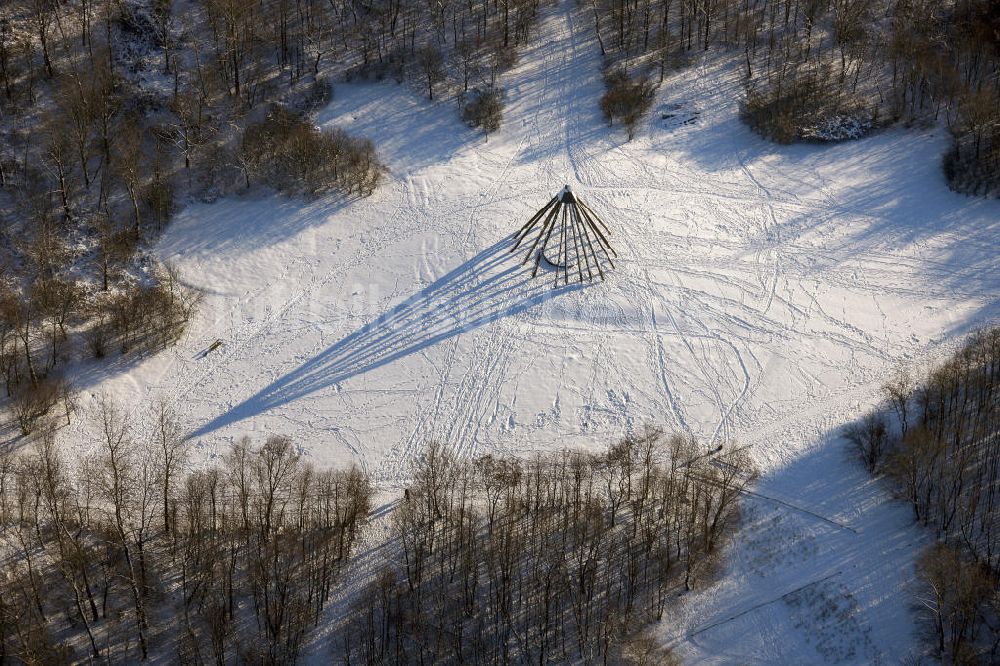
(130, 161)
(121, 472)
(869, 438)
(173, 449)
(899, 390)
(954, 591)
(431, 64)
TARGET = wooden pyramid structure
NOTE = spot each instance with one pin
(572, 239)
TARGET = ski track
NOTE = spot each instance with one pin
(761, 296)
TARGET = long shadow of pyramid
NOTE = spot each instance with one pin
(488, 287)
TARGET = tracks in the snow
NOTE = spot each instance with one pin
(758, 606)
(427, 422)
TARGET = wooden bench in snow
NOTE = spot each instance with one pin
(212, 347)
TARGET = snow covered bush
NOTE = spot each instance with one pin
(317, 95)
(870, 439)
(35, 401)
(141, 32)
(148, 317)
(837, 127)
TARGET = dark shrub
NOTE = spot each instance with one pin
(805, 104)
(626, 99)
(484, 110)
(292, 155)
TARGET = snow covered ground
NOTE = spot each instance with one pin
(763, 293)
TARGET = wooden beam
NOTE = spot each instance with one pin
(583, 238)
(526, 229)
(578, 228)
(552, 226)
(595, 216)
(601, 240)
(541, 232)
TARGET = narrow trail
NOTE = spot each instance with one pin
(758, 606)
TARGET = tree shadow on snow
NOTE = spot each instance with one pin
(409, 131)
(240, 225)
(490, 286)
(824, 557)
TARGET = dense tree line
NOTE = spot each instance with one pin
(462, 46)
(938, 441)
(128, 553)
(133, 82)
(124, 555)
(560, 558)
(830, 70)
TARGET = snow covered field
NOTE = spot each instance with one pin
(763, 293)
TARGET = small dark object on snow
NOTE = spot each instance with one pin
(212, 347)
(580, 240)
(677, 116)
